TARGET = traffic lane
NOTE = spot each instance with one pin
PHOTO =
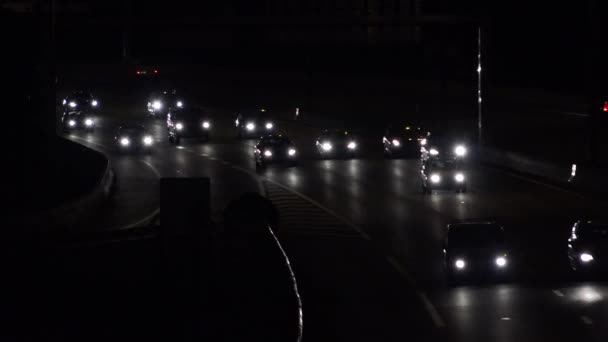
(510, 313)
(588, 300)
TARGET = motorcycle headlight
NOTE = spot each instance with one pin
(206, 124)
(157, 105)
(63, 102)
(435, 178)
(147, 140)
(125, 141)
(94, 103)
(269, 125)
(460, 150)
(352, 145)
(292, 152)
(326, 146)
(179, 126)
(396, 142)
(73, 104)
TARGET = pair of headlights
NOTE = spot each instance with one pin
(157, 104)
(435, 178)
(73, 104)
(146, 140)
(291, 152)
(327, 146)
(180, 126)
(87, 122)
(250, 126)
(500, 262)
(459, 150)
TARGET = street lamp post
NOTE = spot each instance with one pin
(479, 106)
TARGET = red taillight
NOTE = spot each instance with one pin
(155, 71)
(138, 72)
(605, 109)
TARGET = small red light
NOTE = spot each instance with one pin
(605, 109)
(138, 72)
(155, 71)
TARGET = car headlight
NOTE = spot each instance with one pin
(435, 178)
(501, 261)
(352, 145)
(586, 257)
(250, 126)
(292, 152)
(63, 102)
(72, 123)
(94, 103)
(180, 104)
(147, 140)
(179, 126)
(206, 124)
(423, 142)
(460, 150)
(326, 146)
(459, 177)
(269, 125)
(157, 105)
(73, 104)
(268, 153)
(460, 264)
(396, 142)
(125, 141)
(433, 152)
(88, 122)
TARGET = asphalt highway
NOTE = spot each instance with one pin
(376, 205)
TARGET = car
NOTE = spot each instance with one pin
(254, 123)
(160, 103)
(77, 121)
(146, 71)
(133, 138)
(80, 102)
(274, 149)
(190, 122)
(403, 140)
(444, 147)
(475, 248)
(335, 143)
(587, 246)
(443, 174)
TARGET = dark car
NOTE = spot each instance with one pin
(191, 122)
(77, 121)
(475, 248)
(146, 71)
(274, 149)
(160, 103)
(443, 174)
(444, 147)
(133, 138)
(80, 102)
(403, 140)
(254, 123)
(336, 143)
(588, 246)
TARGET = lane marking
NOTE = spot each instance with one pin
(586, 320)
(75, 137)
(505, 318)
(558, 293)
(154, 170)
(145, 219)
(530, 180)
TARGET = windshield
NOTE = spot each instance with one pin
(475, 236)
(456, 111)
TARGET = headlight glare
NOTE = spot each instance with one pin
(460, 264)
(460, 150)
(125, 141)
(147, 140)
(88, 122)
(206, 124)
(292, 152)
(459, 177)
(396, 142)
(250, 126)
(268, 153)
(269, 125)
(326, 146)
(433, 152)
(180, 104)
(352, 145)
(94, 103)
(586, 257)
(71, 123)
(501, 261)
(435, 178)
(157, 105)
(179, 126)
(73, 104)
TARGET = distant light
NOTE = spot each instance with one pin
(155, 71)
(71, 123)
(94, 103)
(586, 257)
(73, 104)
(268, 153)
(459, 177)
(179, 126)
(250, 126)
(180, 104)
(423, 142)
(460, 264)
(407, 128)
(460, 150)
(433, 152)
(148, 140)
(88, 122)
(138, 72)
(63, 102)
(263, 110)
(326, 146)
(157, 105)
(206, 124)
(435, 178)
(269, 125)
(573, 173)
(396, 142)
(605, 109)
(501, 262)
(124, 142)
(352, 145)
(291, 152)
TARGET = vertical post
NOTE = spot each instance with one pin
(479, 107)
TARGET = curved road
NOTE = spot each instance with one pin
(381, 201)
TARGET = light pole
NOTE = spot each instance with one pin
(479, 107)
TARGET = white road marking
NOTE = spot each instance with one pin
(558, 293)
(154, 170)
(505, 318)
(586, 320)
